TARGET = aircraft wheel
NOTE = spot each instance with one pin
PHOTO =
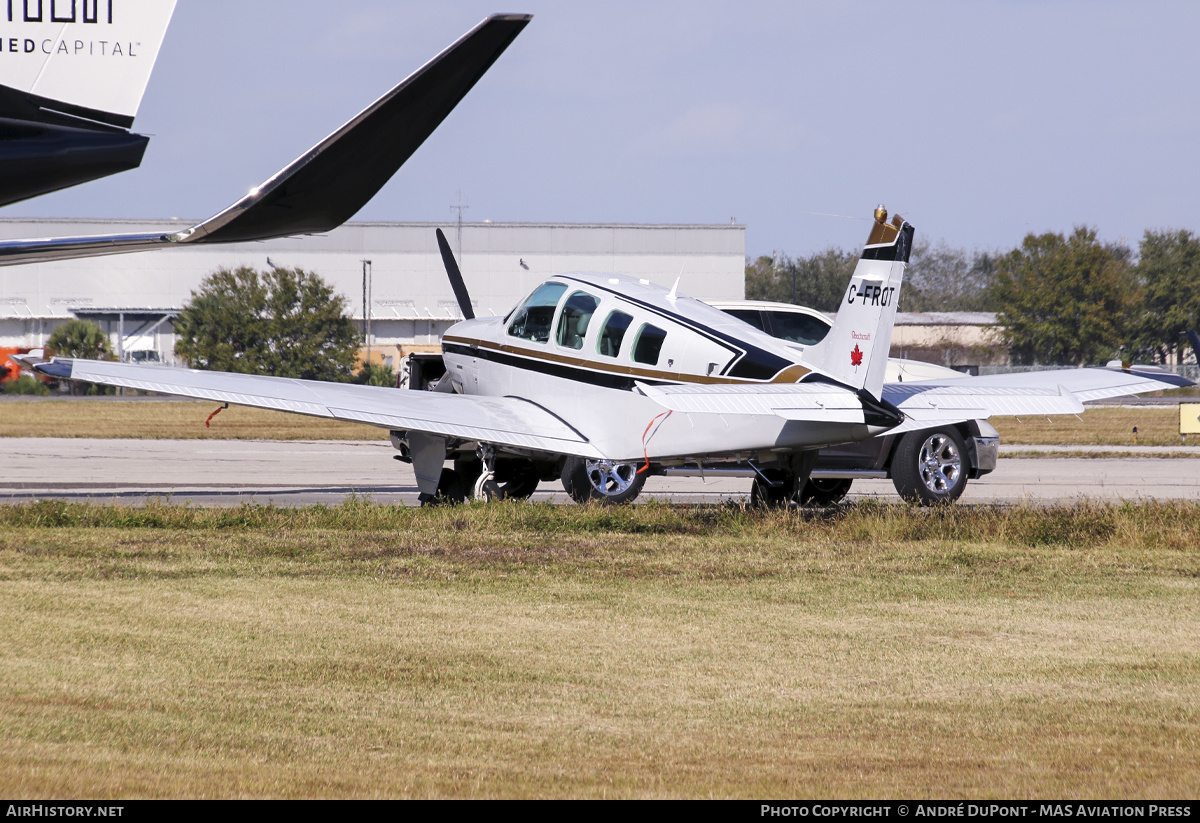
(602, 480)
(469, 468)
(824, 492)
(451, 490)
(763, 495)
(514, 479)
(930, 467)
(518, 479)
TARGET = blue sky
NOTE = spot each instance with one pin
(979, 121)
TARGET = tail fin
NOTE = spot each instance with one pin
(855, 351)
(89, 60)
(72, 76)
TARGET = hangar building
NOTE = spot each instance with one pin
(135, 296)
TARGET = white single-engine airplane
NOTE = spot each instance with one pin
(597, 379)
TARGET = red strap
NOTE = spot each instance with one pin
(214, 414)
(645, 451)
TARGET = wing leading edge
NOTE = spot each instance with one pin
(330, 182)
(507, 421)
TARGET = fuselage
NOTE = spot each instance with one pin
(580, 344)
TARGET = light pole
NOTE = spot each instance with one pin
(366, 268)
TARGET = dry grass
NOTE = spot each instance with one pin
(149, 419)
(526, 650)
(1103, 426)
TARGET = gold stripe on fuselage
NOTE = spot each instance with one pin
(791, 374)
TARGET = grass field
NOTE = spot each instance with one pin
(148, 419)
(168, 419)
(520, 650)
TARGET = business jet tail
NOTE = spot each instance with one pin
(72, 76)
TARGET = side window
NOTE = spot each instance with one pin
(649, 344)
(573, 322)
(751, 316)
(609, 342)
(799, 328)
(533, 319)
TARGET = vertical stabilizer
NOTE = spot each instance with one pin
(855, 351)
(88, 59)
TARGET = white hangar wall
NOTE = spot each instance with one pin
(411, 300)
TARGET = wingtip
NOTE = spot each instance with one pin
(1194, 339)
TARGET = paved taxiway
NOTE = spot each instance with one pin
(229, 472)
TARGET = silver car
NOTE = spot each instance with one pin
(927, 467)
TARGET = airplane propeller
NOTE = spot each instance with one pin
(456, 278)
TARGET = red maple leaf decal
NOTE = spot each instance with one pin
(856, 356)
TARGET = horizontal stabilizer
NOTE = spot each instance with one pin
(814, 402)
(805, 401)
(1059, 391)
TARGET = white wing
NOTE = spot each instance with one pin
(505, 421)
(925, 403)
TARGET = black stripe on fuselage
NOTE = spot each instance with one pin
(532, 362)
(753, 364)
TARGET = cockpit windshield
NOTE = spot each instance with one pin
(534, 318)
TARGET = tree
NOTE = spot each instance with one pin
(943, 278)
(285, 322)
(1169, 271)
(817, 281)
(761, 276)
(1065, 300)
(377, 374)
(82, 339)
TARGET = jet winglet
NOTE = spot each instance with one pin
(1194, 339)
(329, 183)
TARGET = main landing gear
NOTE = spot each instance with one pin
(601, 480)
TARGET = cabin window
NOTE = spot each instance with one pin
(535, 317)
(649, 344)
(751, 316)
(573, 321)
(609, 342)
(798, 328)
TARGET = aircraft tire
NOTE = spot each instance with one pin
(515, 479)
(602, 481)
(451, 490)
(763, 495)
(520, 479)
(824, 492)
(929, 468)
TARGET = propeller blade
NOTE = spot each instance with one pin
(456, 279)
